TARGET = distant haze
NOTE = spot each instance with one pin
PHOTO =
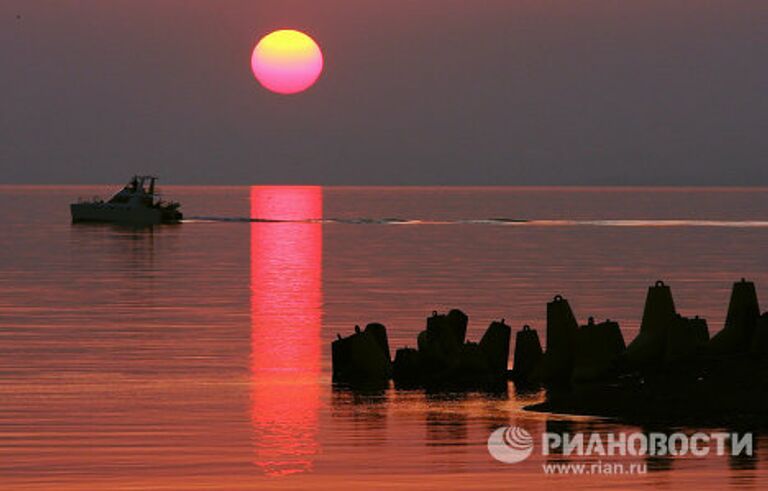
(669, 92)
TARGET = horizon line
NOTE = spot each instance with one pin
(530, 187)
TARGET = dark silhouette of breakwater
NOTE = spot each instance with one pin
(444, 358)
(672, 371)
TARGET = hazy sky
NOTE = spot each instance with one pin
(414, 92)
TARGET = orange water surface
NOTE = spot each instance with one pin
(197, 356)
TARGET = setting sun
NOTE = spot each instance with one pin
(287, 61)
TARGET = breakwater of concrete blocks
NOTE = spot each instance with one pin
(585, 367)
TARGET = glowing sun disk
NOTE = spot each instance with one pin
(287, 61)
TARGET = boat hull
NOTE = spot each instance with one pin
(108, 213)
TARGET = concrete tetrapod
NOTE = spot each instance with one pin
(649, 347)
(598, 347)
(743, 312)
(528, 354)
(556, 365)
(360, 359)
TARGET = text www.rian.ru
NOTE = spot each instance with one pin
(595, 468)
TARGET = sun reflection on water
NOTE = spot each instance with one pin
(286, 319)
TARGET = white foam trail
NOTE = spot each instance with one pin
(652, 223)
(501, 222)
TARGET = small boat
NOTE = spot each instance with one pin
(136, 204)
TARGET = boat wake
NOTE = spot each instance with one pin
(497, 222)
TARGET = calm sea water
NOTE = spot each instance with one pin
(198, 356)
